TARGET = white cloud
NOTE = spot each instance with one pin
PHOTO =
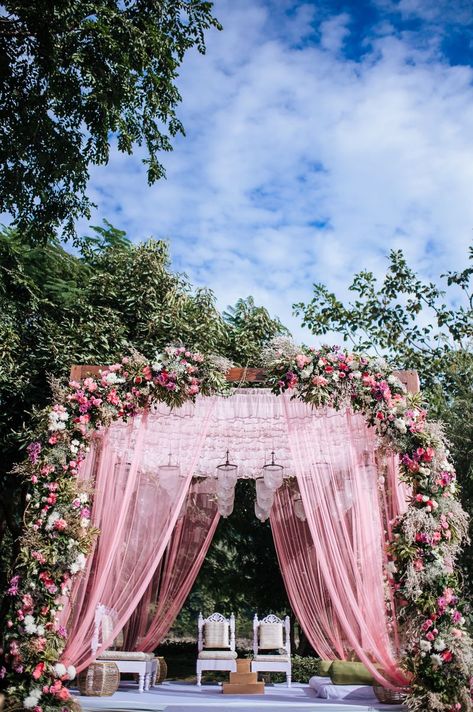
(302, 166)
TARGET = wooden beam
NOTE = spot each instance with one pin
(247, 375)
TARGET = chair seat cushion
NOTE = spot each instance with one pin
(124, 655)
(271, 658)
(217, 655)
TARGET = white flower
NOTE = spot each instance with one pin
(83, 498)
(84, 522)
(40, 629)
(392, 379)
(391, 567)
(30, 628)
(111, 378)
(51, 519)
(30, 702)
(400, 424)
(29, 620)
(71, 672)
(436, 660)
(60, 670)
(36, 692)
(439, 645)
(63, 416)
(426, 646)
(356, 374)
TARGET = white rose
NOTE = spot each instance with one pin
(400, 424)
(71, 672)
(60, 670)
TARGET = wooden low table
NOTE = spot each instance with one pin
(243, 681)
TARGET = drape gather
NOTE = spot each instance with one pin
(176, 572)
(136, 511)
(340, 548)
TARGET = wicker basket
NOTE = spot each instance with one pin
(390, 697)
(100, 679)
(162, 671)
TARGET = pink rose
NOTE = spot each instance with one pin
(38, 671)
(60, 525)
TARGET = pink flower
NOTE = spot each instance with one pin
(430, 636)
(302, 360)
(90, 385)
(85, 512)
(319, 381)
(456, 616)
(38, 671)
(193, 390)
(13, 589)
(427, 624)
(457, 633)
(60, 525)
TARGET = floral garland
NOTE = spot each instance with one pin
(427, 538)
(57, 536)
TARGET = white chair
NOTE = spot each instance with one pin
(216, 644)
(142, 664)
(272, 633)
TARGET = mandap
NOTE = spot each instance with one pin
(134, 464)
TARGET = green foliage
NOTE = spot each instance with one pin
(303, 668)
(251, 328)
(71, 75)
(415, 325)
(240, 572)
(57, 309)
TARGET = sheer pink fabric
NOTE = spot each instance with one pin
(334, 460)
(136, 510)
(309, 598)
(176, 573)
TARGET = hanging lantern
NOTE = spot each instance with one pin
(273, 474)
(264, 495)
(261, 513)
(168, 477)
(298, 507)
(227, 475)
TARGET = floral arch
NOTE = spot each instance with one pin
(57, 536)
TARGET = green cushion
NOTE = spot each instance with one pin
(323, 668)
(347, 673)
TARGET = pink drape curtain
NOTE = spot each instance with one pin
(334, 456)
(309, 598)
(176, 573)
(136, 511)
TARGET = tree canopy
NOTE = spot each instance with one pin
(420, 325)
(72, 75)
(57, 309)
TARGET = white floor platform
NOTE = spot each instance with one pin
(183, 697)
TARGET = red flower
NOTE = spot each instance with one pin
(447, 656)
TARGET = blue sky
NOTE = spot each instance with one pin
(320, 135)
